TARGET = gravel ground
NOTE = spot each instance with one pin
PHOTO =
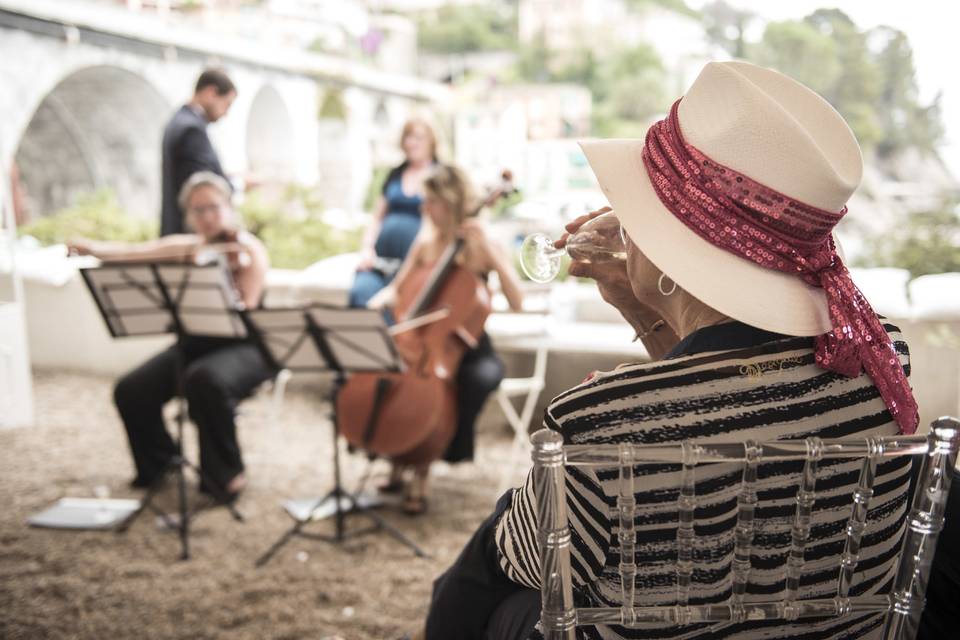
(62, 584)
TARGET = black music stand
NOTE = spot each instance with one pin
(341, 341)
(149, 299)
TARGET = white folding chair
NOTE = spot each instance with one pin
(276, 387)
(278, 393)
(902, 607)
(529, 389)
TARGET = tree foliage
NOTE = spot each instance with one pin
(726, 26)
(867, 75)
(466, 28)
(800, 51)
(905, 121)
(628, 84)
(926, 242)
(677, 6)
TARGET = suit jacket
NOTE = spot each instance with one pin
(186, 150)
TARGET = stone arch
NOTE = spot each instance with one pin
(100, 126)
(270, 141)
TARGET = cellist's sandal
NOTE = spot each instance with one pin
(394, 485)
(414, 505)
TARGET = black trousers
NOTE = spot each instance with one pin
(217, 375)
(467, 595)
(941, 617)
(516, 617)
(480, 374)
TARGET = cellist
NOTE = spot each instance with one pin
(448, 206)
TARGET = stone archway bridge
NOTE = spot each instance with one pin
(88, 88)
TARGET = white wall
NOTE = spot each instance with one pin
(83, 343)
(16, 393)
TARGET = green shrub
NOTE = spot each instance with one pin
(332, 105)
(290, 225)
(503, 205)
(97, 215)
(375, 188)
(292, 228)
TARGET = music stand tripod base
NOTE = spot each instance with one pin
(304, 508)
(329, 339)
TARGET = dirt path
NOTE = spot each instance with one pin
(57, 584)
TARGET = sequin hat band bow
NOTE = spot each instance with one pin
(774, 231)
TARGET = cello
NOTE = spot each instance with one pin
(410, 417)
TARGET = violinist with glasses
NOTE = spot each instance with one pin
(219, 372)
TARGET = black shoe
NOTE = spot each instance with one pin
(143, 482)
(219, 494)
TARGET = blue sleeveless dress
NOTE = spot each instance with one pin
(401, 223)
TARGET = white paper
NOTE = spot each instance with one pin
(131, 300)
(357, 338)
(282, 330)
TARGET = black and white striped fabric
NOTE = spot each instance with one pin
(769, 389)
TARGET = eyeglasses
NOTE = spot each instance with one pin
(205, 209)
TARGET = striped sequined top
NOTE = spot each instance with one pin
(725, 382)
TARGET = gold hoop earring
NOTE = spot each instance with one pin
(660, 286)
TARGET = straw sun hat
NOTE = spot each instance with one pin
(775, 131)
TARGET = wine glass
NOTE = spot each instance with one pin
(601, 239)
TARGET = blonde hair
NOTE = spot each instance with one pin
(451, 185)
(203, 179)
(412, 124)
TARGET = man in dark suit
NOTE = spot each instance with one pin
(186, 147)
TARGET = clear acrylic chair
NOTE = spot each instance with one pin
(902, 608)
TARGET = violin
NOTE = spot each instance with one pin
(410, 417)
(226, 244)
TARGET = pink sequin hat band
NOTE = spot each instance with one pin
(755, 242)
(747, 219)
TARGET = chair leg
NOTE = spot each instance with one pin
(279, 391)
(508, 410)
(519, 447)
(528, 406)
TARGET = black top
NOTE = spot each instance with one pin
(721, 337)
(186, 150)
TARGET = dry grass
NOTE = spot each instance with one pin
(60, 584)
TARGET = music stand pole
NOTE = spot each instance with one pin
(178, 461)
(337, 493)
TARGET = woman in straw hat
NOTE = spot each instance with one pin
(733, 283)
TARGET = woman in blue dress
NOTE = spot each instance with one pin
(396, 216)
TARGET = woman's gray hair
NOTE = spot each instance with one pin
(203, 179)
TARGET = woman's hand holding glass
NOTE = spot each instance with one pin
(593, 238)
(599, 258)
(609, 272)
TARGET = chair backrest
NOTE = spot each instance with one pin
(903, 607)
